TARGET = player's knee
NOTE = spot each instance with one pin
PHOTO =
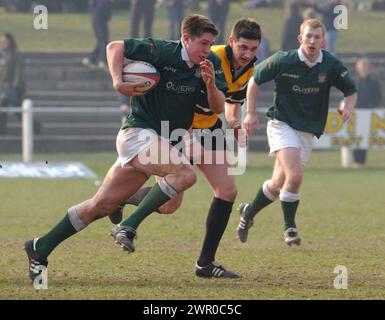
(171, 205)
(228, 193)
(274, 187)
(295, 180)
(188, 176)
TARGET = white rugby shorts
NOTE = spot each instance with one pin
(280, 136)
(131, 141)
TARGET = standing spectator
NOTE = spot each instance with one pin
(369, 96)
(12, 84)
(263, 53)
(176, 12)
(142, 9)
(217, 11)
(328, 17)
(101, 13)
(291, 26)
(263, 50)
(378, 5)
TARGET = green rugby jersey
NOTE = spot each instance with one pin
(301, 95)
(175, 97)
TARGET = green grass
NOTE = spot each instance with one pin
(340, 220)
(73, 32)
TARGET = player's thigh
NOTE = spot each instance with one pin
(290, 161)
(160, 159)
(119, 184)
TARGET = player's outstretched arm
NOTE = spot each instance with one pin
(115, 59)
(251, 120)
(346, 108)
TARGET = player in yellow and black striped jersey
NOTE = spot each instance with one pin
(237, 62)
(238, 70)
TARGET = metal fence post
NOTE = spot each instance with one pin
(27, 130)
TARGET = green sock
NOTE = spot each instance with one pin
(63, 230)
(257, 204)
(152, 201)
(289, 210)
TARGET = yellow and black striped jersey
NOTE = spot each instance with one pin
(237, 86)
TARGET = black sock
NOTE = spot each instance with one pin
(216, 223)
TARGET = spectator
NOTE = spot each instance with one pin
(142, 9)
(328, 17)
(291, 26)
(101, 13)
(263, 53)
(12, 84)
(369, 96)
(176, 12)
(378, 5)
(263, 50)
(217, 11)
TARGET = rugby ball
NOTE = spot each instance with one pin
(140, 71)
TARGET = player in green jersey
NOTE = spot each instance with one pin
(303, 79)
(208, 143)
(186, 68)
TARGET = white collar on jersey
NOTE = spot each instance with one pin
(185, 56)
(303, 58)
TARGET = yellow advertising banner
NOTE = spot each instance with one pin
(367, 130)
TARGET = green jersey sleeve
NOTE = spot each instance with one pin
(268, 69)
(342, 80)
(148, 50)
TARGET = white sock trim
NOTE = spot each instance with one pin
(167, 188)
(76, 222)
(34, 243)
(267, 192)
(287, 196)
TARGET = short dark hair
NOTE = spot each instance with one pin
(195, 25)
(246, 28)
